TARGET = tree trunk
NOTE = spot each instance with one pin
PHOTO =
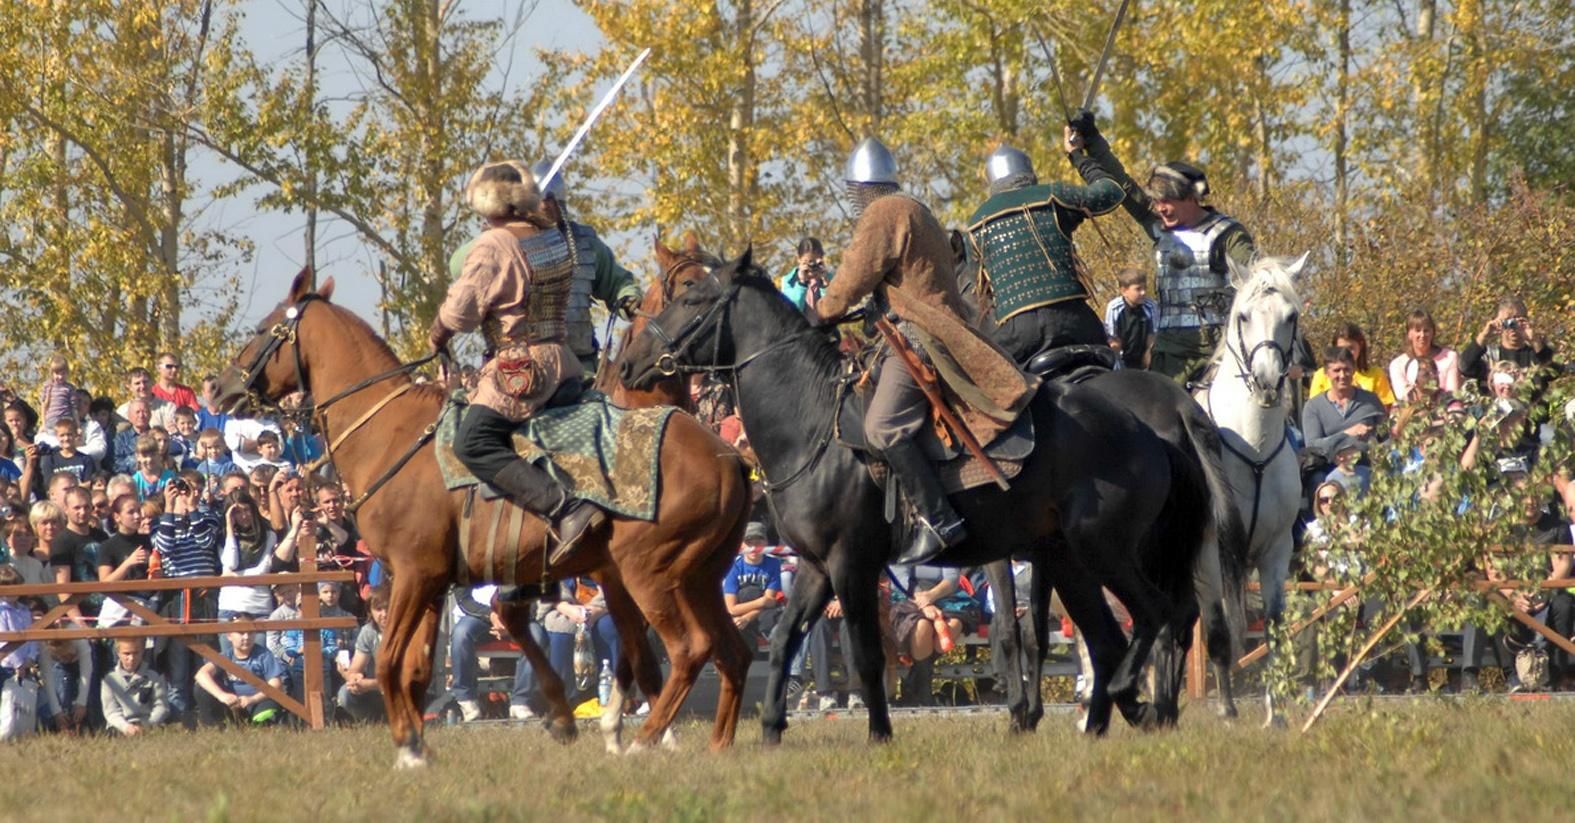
(872, 53)
(309, 101)
(1424, 85)
(170, 217)
(433, 179)
(740, 129)
(1341, 172)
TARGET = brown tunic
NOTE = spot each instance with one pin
(900, 245)
(494, 289)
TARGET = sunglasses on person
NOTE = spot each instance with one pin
(1325, 500)
(170, 365)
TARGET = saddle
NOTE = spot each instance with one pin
(957, 469)
(1073, 364)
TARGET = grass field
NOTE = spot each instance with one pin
(1435, 759)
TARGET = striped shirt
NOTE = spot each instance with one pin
(188, 544)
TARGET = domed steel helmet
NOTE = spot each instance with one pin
(871, 162)
(555, 188)
(1006, 163)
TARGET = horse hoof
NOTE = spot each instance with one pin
(670, 740)
(636, 748)
(770, 736)
(612, 744)
(563, 732)
(408, 759)
(1227, 711)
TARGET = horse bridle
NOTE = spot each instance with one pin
(314, 415)
(1270, 343)
(668, 364)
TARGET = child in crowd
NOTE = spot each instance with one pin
(213, 457)
(752, 589)
(182, 441)
(15, 617)
(66, 458)
(222, 695)
(1355, 478)
(135, 698)
(1132, 320)
(271, 448)
(151, 476)
(67, 669)
(57, 397)
(287, 645)
(360, 696)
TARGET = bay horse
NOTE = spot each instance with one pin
(1251, 363)
(670, 567)
(1090, 493)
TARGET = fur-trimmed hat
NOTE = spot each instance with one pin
(502, 190)
(1177, 180)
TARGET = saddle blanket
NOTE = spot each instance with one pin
(603, 453)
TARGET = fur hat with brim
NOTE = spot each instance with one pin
(502, 190)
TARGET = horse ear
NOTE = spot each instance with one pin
(1239, 275)
(1294, 270)
(691, 243)
(301, 286)
(326, 290)
(743, 264)
(658, 246)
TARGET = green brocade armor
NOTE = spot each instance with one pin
(1023, 240)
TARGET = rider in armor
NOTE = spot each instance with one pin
(515, 286)
(1193, 247)
(596, 273)
(1023, 237)
(902, 256)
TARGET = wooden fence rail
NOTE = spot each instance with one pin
(192, 635)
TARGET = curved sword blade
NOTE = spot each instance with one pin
(1104, 56)
(574, 142)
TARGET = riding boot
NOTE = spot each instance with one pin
(939, 527)
(571, 518)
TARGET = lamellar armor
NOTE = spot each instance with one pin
(1193, 279)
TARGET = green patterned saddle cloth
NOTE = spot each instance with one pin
(606, 454)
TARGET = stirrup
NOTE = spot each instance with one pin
(929, 541)
(574, 519)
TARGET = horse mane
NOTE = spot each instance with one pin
(379, 350)
(823, 356)
(1269, 274)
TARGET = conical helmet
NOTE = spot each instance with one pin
(555, 188)
(871, 162)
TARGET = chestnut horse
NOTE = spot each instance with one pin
(669, 567)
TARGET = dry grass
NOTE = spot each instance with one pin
(1434, 759)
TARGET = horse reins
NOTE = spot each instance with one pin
(1258, 467)
(315, 414)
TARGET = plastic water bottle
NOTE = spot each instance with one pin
(604, 683)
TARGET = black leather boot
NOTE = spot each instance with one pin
(571, 518)
(940, 526)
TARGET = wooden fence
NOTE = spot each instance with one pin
(194, 635)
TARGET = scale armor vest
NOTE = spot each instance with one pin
(1192, 279)
(1028, 261)
(581, 331)
(550, 261)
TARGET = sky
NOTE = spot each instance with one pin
(275, 31)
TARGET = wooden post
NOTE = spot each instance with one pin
(312, 663)
(1297, 628)
(1367, 648)
(1197, 668)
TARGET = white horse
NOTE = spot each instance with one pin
(1244, 399)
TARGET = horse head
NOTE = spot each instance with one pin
(689, 331)
(681, 268)
(271, 365)
(1261, 330)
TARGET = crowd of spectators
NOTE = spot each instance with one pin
(163, 485)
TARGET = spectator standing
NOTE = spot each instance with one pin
(135, 698)
(1344, 413)
(182, 444)
(139, 386)
(240, 434)
(251, 548)
(207, 416)
(1366, 376)
(1422, 347)
(213, 457)
(126, 554)
(187, 538)
(807, 281)
(138, 415)
(65, 457)
(73, 552)
(1509, 336)
(360, 696)
(151, 477)
(57, 397)
(19, 549)
(168, 387)
(270, 450)
(1132, 320)
(18, 465)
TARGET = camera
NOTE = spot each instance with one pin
(180, 486)
(1511, 323)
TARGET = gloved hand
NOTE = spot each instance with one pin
(627, 306)
(1083, 125)
(438, 337)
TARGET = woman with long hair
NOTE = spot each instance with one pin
(1421, 349)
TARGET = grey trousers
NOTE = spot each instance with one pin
(898, 409)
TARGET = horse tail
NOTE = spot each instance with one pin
(1230, 587)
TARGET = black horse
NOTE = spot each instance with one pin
(1086, 503)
